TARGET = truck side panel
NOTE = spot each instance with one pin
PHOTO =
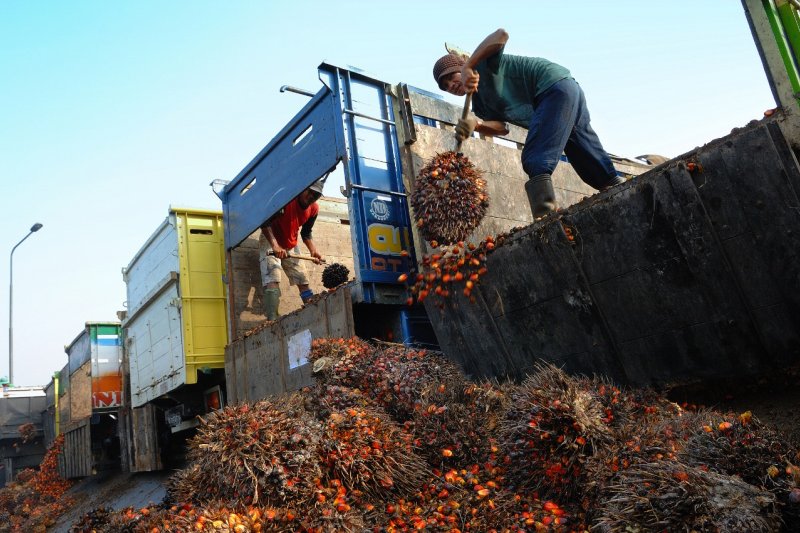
(143, 451)
(273, 360)
(674, 277)
(202, 291)
(177, 321)
(77, 439)
(155, 346)
(152, 264)
(81, 389)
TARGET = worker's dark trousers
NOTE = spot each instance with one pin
(560, 123)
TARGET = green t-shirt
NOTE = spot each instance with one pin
(509, 85)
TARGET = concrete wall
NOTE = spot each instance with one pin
(684, 274)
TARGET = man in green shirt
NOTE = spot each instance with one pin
(533, 93)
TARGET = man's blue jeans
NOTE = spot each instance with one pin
(560, 123)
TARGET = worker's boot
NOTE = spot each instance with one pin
(541, 195)
(306, 295)
(272, 299)
(616, 180)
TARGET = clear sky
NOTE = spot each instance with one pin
(113, 111)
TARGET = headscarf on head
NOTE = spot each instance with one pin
(445, 65)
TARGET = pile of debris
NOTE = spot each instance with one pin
(396, 439)
(35, 499)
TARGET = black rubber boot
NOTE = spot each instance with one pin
(541, 195)
(616, 180)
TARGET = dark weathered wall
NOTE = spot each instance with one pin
(675, 276)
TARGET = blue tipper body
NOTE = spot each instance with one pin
(350, 119)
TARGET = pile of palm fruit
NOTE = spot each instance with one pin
(397, 439)
(35, 499)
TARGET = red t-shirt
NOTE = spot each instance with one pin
(286, 225)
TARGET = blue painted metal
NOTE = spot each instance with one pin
(416, 329)
(350, 120)
(310, 145)
(379, 218)
(425, 121)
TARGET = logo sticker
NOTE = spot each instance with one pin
(379, 209)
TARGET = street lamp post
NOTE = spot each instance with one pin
(36, 227)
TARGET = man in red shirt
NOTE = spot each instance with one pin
(279, 239)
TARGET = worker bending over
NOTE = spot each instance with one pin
(532, 93)
(279, 239)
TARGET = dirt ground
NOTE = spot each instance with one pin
(115, 490)
(780, 408)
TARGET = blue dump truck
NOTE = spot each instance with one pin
(687, 272)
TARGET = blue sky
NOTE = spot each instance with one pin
(113, 111)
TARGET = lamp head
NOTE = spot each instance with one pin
(36, 227)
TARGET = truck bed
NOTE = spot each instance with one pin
(687, 273)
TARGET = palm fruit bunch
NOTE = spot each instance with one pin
(642, 440)
(449, 198)
(551, 428)
(326, 399)
(744, 447)
(370, 453)
(406, 375)
(455, 421)
(343, 362)
(95, 520)
(27, 432)
(334, 275)
(390, 377)
(671, 496)
(646, 427)
(250, 453)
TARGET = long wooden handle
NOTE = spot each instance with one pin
(467, 102)
(304, 257)
(464, 115)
